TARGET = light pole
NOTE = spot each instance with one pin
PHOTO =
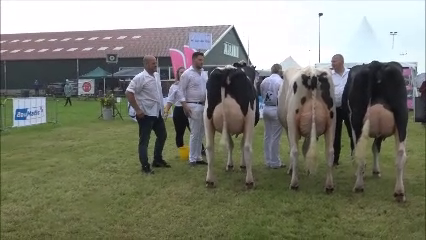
(393, 37)
(319, 36)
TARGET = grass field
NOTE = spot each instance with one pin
(81, 179)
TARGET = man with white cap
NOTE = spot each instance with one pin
(273, 129)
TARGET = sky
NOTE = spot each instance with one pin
(274, 29)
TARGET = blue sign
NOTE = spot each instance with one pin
(26, 113)
(200, 40)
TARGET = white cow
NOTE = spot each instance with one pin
(306, 109)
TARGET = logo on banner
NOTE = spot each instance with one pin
(87, 86)
(28, 113)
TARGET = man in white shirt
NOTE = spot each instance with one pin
(273, 129)
(192, 87)
(340, 77)
(145, 96)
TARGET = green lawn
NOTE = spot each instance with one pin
(81, 179)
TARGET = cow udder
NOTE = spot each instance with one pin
(304, 118)
(382, 122)
(234, 117)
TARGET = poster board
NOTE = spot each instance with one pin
(29, 111)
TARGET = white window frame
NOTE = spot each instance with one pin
(230, 49)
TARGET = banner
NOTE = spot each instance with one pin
(200, 40)
(29, 111)
(188, 55)
(178, 60)
(86, 86)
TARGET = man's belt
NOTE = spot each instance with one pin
(201, 103)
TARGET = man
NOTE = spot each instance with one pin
(37, 88)
(68, 92)
(273, 129)
(340, 77)
(145, 97)
(192, 88)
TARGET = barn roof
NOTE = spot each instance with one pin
(126, 43)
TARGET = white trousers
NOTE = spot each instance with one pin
(273, 131)
(196, 124)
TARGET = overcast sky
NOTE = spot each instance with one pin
(276, 29)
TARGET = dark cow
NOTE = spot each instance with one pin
(232, 108)
(375, 99)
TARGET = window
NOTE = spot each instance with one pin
(3, 41)
(27, 40)
(43, 50)
(231, 50)
(72, 49)
(79, 39)
(106, 38)
(14, 41)
(135, 37)
(57, 49)
(121, 37)
(164, 73)
(87, 49)
(102, 48)
(65, 39)
(3, 51)
(52, 40)
(15, 51)
(93, 38)
(40, 40)
(117, 48)
(29, 50)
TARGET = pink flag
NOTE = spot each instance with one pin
(178, 59)
(188, 55)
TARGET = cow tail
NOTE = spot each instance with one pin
(311, 154)
(224, 137)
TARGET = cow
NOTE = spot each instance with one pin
(375, 99)
(306, 109)
(231, 108)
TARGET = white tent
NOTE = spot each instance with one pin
(418, 80)
(289, 63)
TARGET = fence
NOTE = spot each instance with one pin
(22, 112)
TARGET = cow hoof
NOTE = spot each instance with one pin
(329, 190)
(399, 197)
(376, 174)
(249, 185)
(358, 189)
(294, 187)
(229, 168)
(210, 184)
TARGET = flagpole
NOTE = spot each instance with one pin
(248, 50)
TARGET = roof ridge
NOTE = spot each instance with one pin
(118, 29)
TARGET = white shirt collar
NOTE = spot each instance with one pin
(345, 70)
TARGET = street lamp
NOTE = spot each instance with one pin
(319, 36)
(393, 37)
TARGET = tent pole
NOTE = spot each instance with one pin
(104, 88)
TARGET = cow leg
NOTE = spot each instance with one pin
(290, 168)
(230, 146)
(294, 153)
(401, 158)
(305, 147)
(247, 148)
(329, 157)
(210, 132)
(377, 144)
(357, 124)
(243, 162)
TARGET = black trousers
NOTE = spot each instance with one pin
(338, 135)
(181, 122)
(68, 100)
(146, 125)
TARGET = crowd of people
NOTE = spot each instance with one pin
(188, 95)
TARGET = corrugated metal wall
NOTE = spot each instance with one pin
(21, 74)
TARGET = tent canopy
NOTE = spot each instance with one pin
(289, 63)
(128, 72)
(97, 73)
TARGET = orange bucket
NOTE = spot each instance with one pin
(184, 153)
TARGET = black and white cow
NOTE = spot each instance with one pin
(375, 99)
(232, 108)
(306, 109)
